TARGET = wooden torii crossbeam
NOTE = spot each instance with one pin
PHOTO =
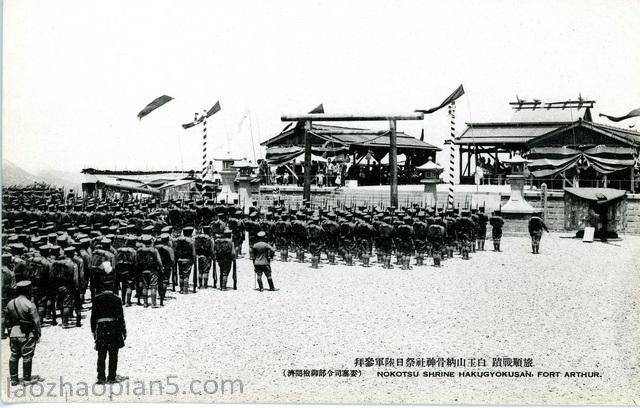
(308, 118)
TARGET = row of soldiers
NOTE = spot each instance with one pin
(63, 266)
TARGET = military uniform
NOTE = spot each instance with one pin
(8, 288)
(64, 273)
(150, 266)
(496, 231)
(204, 253)
(536, 225)
(109, 332)
(262, 255)
(225, 254)
(165, 250)
(185, 252)
(23, 321)
(39, 273)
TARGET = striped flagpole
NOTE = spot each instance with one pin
(452, 116)
(204, 146)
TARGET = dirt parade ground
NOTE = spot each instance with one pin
(468, 332)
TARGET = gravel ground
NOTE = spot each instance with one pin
(575, 307)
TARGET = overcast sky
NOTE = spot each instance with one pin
(76, 73)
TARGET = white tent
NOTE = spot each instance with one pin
(401, 159)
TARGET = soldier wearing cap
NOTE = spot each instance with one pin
(39, 274)
(436, 234)
(84, 251)
(496, 231)
(8, 286)
(482, 228)
(23, 321)
(127, 273)
(253, 227)
(330, 228)
(64, 274)
(315, 238)
(236, 225)
(18, 263)
(262, 255)
(185, 252)
(109, 332)
(149, 265)
(204, 253)
(167, 256)
(536, 225)
(102, 266)
(225, 255)
(404, 241)
(77, 290)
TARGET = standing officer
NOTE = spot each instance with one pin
(64, 274)
(8, 288)
(165, 250)
(435, 235)
(536, 225)
(109, 332)
(262, 255)
(315, 238)
(39, 273)
(204, 254)
(126, 273)
(330, 228)
(102, 266)
(185, 252)
(149, 266)
(496, 231)
(482, 228)
(23, 322)
(225, 254)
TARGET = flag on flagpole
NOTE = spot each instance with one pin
(155, 104)
(455, 95)
(214, 109)
(632, 114)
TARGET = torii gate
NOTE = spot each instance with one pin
(308, 118)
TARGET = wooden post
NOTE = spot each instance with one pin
(633, 182)
(393, 163)
(306, 192)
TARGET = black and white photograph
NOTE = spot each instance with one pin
(321, 202)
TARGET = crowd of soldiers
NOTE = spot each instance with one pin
(68, 246)
(63, 247)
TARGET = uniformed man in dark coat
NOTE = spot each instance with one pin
(109, 332)
(496, 231)
(23, 322)
(64, 274)
(536, 225)
(204, 253)
(8, 288)
(165, 250)
(225, 254)
(185, 252)
(262, 254)
(149, 265)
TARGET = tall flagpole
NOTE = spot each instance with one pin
(452, 157)
(204, 146)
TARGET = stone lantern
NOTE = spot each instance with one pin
(431, 178)
(227, 178)
(245, 181)
(517, 204)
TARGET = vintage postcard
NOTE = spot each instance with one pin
(363, 202)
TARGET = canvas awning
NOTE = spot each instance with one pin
(600, 195)
(548, 161)
(276, 156)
